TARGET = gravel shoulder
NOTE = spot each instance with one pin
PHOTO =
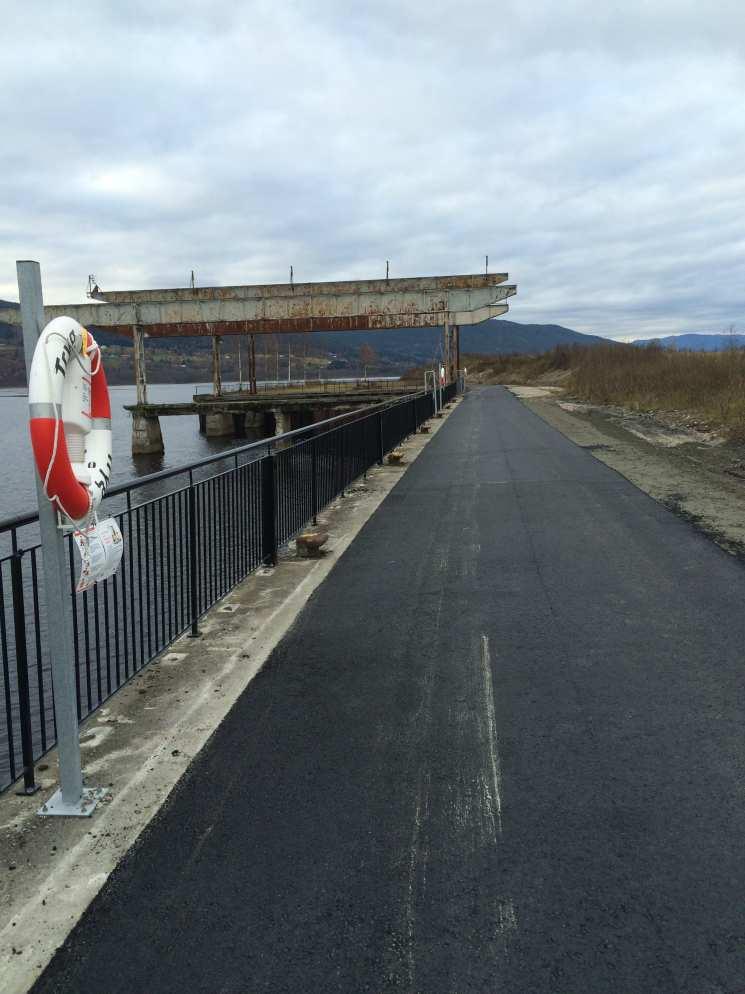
(691, 471)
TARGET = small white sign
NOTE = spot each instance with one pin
(100, 548)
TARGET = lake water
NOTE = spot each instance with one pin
(181, 438)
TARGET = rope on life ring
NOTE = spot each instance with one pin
(70, 419)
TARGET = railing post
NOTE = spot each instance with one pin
(193, 560)
(269, 509)
(24, 701)
(381, 450)
(314, 478)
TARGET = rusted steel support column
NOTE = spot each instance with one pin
(216, 377)
(138, 359)
(446, 350)
(252, 367)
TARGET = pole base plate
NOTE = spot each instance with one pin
(82, 808)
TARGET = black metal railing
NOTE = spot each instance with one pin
(190, 535)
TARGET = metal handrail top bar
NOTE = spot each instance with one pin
(165, 474)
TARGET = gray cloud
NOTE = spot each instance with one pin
(593, 151)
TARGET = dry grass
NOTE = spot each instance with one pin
(548, 367)
(709, 386)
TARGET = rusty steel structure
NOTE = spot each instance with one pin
(357, 305)
(291, 308)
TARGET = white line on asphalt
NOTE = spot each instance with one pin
(494, 790)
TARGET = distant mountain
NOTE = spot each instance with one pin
(498, 337)
(697, 342)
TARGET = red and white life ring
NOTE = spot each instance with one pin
(70, 418)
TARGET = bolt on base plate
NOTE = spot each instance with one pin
(82, 808)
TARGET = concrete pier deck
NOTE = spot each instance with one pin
(501, 749)
(267, 412)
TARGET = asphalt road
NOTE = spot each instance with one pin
(500, 750)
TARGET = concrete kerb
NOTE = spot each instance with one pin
(140, 744)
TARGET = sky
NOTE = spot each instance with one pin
(594, 151)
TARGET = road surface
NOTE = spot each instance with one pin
(500, 750)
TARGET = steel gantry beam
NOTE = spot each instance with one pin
(354, 305)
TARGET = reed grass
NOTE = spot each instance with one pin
(707, 386)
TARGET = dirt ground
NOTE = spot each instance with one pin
(692, 471)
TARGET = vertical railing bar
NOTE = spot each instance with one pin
(225, 536)
(269, 540)
(170, 560)
(117, 647)
(213, 541)
(178, 562)
(39, 654)
(193, 562)
(241, 519)
(130, 538)
(125, 619)
(107, 634)
(6, 682)
(149, 551)
(152, 543)
(184, 561)
(163, 580)
(228, 537)
(87, 644)
(24, 694)
(202, 537)
(140, 586)
(158, 590)
(207, 525)
(97, 631)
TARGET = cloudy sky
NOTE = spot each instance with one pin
(595, 151)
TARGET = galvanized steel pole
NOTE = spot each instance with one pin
(72, 798)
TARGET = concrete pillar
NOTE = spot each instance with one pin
(147, 438)
(256, 425)
(217, 425)
(256, 421)
(282, 421)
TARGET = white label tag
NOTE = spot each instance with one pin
(100, 548)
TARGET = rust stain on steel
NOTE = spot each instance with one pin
(283, 326)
